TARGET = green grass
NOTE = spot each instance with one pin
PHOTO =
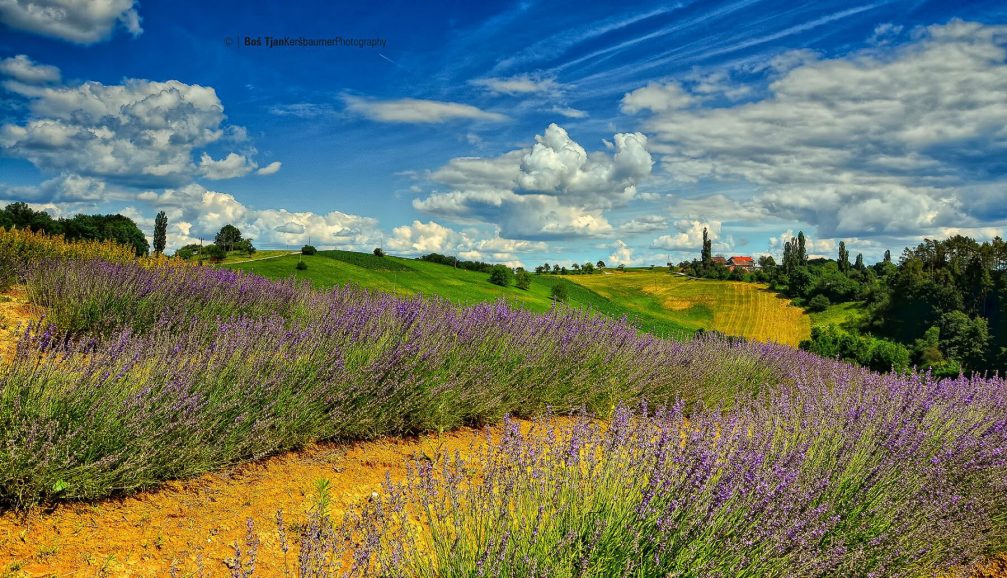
(239, 257)
(845, 315)
(412, 277)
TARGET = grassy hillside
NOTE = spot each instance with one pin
(746, 309)
(411, 277)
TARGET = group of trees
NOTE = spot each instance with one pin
(80, 227)
(576, 269)
(227, 239)
(477, 266)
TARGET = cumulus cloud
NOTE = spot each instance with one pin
(229, 167)
(79, 21)
(140, 133)
(431, 237)
(622, 254)
(413, 110)
(200, 213)
(656, 98)
(23, 69)
(884, 142)
(688, 236)
(553, 189)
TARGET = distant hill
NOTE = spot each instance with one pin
(655, 302)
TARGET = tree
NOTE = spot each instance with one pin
(308, 250)
(707, 254)
(859, 264)
(227, 237)
(600, 264)
(523, 279)
(500, 275)
(214, 253)
(576, 267)
(802, 253)
(556, 268)
(379, 252)
(888, 256)
(245, 246)
(963, 338)
(160, 232)
(558, 292)
(844, 257)
(587, 268)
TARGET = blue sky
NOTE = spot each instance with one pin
(514, 132)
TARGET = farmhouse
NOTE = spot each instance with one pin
(719, 260)
(745, 263)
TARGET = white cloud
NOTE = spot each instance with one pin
(413, 110)
(622, 254)
(644, 224)
(139, 133)
(569, 112)
(520, 84)
(24, 69)
(204, 212)
(689, 236)
(229, 167)
(79, 21)
(270, 169)
(656, 98)
(421, 238)
(885, 142)
(553, 189)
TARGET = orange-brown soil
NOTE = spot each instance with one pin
(15, 313)
(193, 523)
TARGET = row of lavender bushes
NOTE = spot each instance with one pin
(845, 474)
(141, 375)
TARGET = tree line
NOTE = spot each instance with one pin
(943, 306)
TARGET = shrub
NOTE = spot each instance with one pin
(501, 275)
(523, 280)
(301, 266)
(308, 250)
(819, 303)
(558, 293)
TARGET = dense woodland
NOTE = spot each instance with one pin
(942, 306)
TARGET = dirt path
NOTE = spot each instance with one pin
(194, 523)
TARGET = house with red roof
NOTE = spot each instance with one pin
(741, 262)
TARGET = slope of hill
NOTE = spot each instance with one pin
(656, 302)
(411, 277)
(735, 308)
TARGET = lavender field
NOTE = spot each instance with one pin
(706, 458)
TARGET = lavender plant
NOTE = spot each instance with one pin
(860, 475)
(85, 416)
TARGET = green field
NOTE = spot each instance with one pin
(845, 315)
(412, 277)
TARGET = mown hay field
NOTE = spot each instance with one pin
(747, 310)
